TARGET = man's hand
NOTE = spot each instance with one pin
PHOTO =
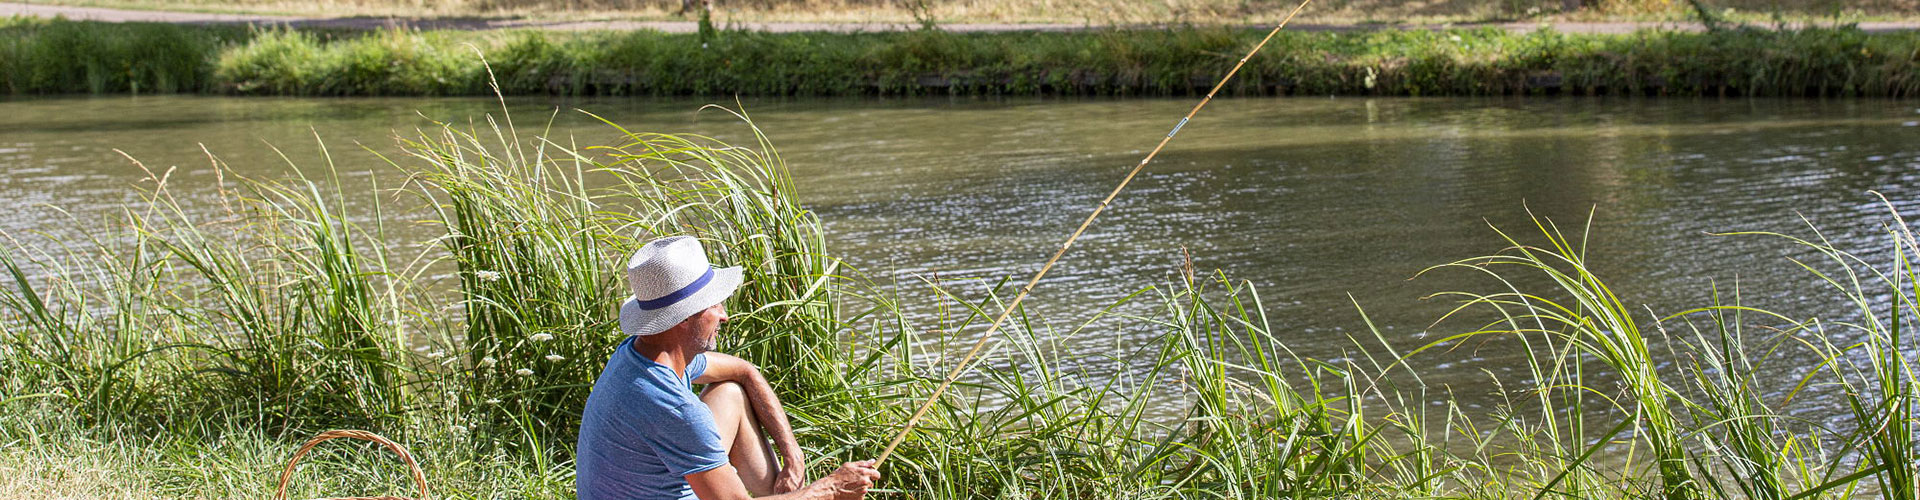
(850, 482)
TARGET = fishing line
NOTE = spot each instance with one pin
(965, 362)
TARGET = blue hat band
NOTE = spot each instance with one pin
(677, 295)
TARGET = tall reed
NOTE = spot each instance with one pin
(171, 314)
(1715, 434)
(1586, 316)
(1867, 352)
(537, 284)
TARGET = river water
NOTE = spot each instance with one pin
(1318, 202)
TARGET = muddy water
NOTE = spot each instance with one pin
(1320, 203)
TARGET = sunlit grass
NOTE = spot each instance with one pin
(1074, 12)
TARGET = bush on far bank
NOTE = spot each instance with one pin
(48, 57)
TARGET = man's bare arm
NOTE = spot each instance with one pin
(766, 409)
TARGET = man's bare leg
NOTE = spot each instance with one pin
(749, 451)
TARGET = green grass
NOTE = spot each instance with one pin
(66, 57)
(1070, 12)
(185, 356)
(59, 56)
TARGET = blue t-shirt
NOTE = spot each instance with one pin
(644, 430)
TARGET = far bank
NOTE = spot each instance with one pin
(49, 57)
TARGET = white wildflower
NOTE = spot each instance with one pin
(541, 337)
(556, 357)
(493, 401)
(458, 429)
(523, 371)
(488, 361)
(488, 276)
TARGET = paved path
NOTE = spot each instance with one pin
(123, 15)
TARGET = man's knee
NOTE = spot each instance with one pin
(720, 395)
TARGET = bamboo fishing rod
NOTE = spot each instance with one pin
(965, 362)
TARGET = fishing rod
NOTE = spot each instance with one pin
(965, 362)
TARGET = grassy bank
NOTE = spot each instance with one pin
(185, 356)
(1096, 12)
(38, 57)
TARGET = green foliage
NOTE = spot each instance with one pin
(60, 56)
(383, 62)
(164, 322)
(42, 57)
(534, 259)
(1716, 433)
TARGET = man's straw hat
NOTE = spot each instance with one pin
(671, 281)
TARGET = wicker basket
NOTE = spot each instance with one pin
(413, 468)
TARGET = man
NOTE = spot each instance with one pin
(646, 435)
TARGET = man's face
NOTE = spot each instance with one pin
(706, 327)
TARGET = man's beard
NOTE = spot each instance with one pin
(708, 343)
